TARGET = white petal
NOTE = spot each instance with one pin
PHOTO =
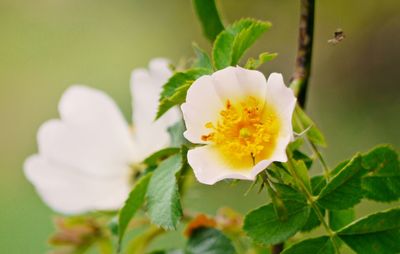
(278, 95)
(202, 106)
(207, 96)
(226, 84)
(209, 168)
(279, 155)
(69, 191)
(236, 83)
(159, 68)
(146, 85)
(91, 136)
(283, 101)
(252, 82)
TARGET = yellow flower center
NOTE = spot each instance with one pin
(245, 132)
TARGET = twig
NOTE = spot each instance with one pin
(302, 71)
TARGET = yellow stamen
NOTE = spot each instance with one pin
(245, 133)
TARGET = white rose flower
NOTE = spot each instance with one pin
(243, 121)
(85, 158)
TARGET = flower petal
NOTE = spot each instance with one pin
(91, 136)
(283, 101)
(146, 87)
(69, 191)
(202, 106)
(235, 83)
(208, 94)
(209, 168)
(279, 95)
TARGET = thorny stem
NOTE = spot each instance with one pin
(302, 71)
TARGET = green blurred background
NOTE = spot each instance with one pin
(47, 45)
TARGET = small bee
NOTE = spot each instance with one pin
(338, 37)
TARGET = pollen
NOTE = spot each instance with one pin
(245, 132)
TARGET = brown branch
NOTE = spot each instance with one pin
(302, 70)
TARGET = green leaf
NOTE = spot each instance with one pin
(176, 134)
(317, 183)
(313, 220)
(340, 218)
(233, 42)
(264, 226)
(160, 155)
(247, 33)
(339, 167)
(343, 190)
(202, 59)
(113, 225)
(174, 91)
(296, 144)
(132, 204)
(382, 182)
(281, 193)
(287, 193)
(302, 172)
(263, 58)
(298, 155)
(222, 50)
(279, 171)
(376, 233)
(317, 245)
(302, 122)
(207, 12)
(164, 207)
(209, 241)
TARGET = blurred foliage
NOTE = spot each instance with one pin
(48, 45)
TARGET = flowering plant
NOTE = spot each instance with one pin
(108, 178)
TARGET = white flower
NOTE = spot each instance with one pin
(243, 121)
(85, 157)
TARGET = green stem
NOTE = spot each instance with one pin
(311, 200)
(275, 198)
(314, 148)
(320, 158)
